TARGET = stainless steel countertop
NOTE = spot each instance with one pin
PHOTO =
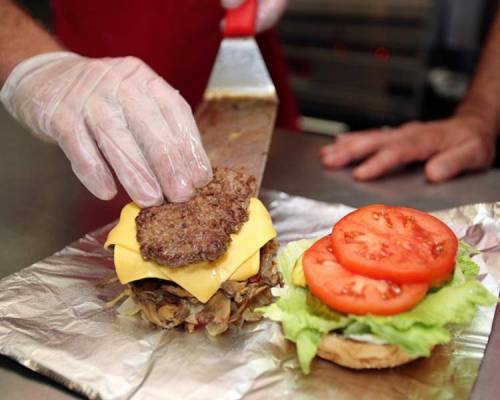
(43, 208)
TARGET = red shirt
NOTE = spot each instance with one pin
(179, 39)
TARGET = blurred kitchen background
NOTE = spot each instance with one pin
(360, 63)
(381, 62)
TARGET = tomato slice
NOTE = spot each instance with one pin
(396, 243)
(347, 292)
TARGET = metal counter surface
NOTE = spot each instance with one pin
(41, 211)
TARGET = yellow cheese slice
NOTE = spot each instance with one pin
(249, 268)
(124, 233)
(202, 279)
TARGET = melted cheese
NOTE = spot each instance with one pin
(249, 268)
(202, 279)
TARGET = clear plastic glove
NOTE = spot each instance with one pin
(116, 110)
(451, 146)
(269, 12)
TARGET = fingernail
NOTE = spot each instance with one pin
(179, 189)
(202, 176)
(438, 172)
(181, 196)
(335, 160)
(143, 203)
(328, 160)
(361, 173)
(100, 182)
(108, 189)
(148, 198)
(326, 149)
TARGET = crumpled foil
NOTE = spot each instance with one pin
(53, 319)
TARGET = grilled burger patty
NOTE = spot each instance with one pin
(178, 234)
(167, 305)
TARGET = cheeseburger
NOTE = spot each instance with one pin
(207, 262)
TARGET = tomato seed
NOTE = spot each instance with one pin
(437, 249)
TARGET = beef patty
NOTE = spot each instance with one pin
(177, 234)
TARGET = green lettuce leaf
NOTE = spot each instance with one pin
(307, 342)
(305, 319)
(302, 324)
(468, 269)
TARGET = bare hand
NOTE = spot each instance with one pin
(450, 146)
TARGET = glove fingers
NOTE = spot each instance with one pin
(161, 146)
(69, 129)
(122, 152)
(86, 161)
(148, 135)
(178, 115)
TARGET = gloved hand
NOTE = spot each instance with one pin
(114, 109)
(268, 12)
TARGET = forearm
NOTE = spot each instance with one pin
(483, 98)
(20, 38)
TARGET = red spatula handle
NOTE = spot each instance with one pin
(240, 21)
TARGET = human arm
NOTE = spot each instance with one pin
(464, 142)
(21, 37)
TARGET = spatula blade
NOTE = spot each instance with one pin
(239, 71)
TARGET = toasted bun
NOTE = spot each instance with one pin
(361, 355)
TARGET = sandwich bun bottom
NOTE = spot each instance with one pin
(361, 355)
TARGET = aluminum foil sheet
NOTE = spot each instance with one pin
(53, 320)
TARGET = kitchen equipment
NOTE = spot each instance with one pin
(237, 116)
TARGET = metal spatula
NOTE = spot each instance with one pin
(237, 116)
(239, 69)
